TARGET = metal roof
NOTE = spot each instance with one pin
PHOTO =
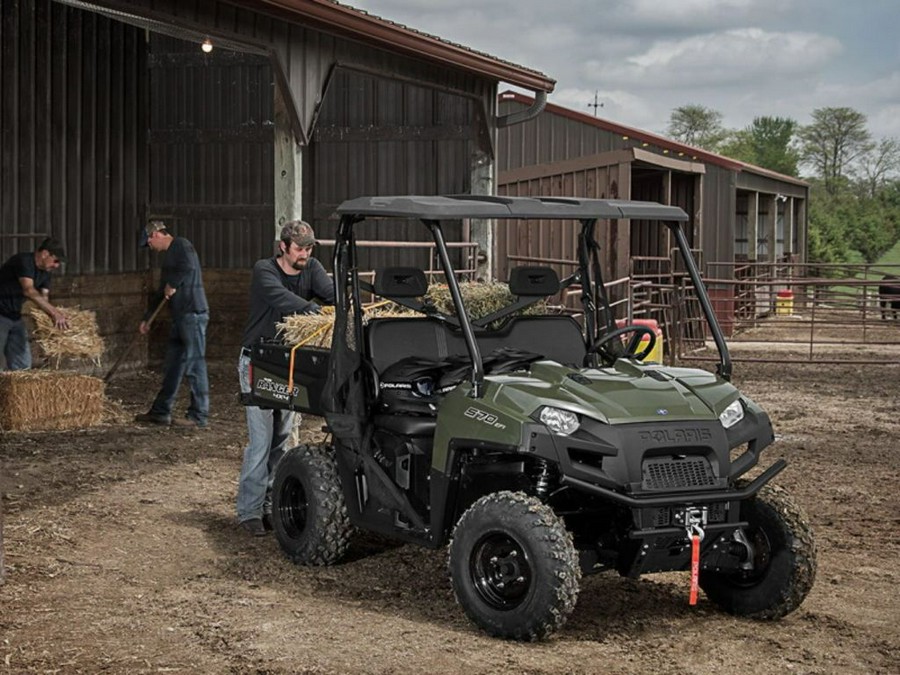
(396, 37)
(684, 151)
(479, 206)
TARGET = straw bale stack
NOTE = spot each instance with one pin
(80, 341)
(49, 400)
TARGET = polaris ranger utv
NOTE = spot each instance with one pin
(539, 447)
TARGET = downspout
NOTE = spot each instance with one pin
(540, 101)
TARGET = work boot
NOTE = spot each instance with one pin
(254, 526)
(153, 418)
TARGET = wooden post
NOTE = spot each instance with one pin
(288, 166)
(752, 226)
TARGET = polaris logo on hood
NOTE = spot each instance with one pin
(685, 435)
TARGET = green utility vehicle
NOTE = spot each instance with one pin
(540, 447)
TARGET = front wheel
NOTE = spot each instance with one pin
(513, 567)
(308, 510)
(784, 560)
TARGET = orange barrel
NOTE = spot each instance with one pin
(784, 302)
(656, 354)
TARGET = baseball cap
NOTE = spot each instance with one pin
(152, 226)
(299, 232)
(53, 247)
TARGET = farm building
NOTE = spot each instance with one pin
(112, 113)
(738, 212)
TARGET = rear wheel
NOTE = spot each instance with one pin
(308, 510)
(784, 560)
(513, 566)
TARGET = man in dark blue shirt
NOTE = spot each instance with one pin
(181, 282)
(26, 276)
(283, 285)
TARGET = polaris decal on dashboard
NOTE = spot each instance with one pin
(485, 417)
(276, 390)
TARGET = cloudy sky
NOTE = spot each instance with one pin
(744, 58)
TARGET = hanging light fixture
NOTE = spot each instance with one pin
(207, 46)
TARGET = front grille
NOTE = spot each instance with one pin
(667, 473)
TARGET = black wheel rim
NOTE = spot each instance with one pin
(500, 571)
(292, 507)
(762, 557)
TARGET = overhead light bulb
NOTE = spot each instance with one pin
(207, 45)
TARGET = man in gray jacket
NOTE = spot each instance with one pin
(285, 284)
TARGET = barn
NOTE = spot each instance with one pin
(741, 215)
(226, 118)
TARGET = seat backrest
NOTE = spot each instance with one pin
(533, 281)
(392, 339)
(400, 282)
(556, 338)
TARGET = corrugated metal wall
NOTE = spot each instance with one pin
(72, 134)
(377, 136)
(211, 149)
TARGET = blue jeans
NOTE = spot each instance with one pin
(14, 344)
(269, 431)
(185, 357)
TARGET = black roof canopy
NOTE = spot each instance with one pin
(484, 206)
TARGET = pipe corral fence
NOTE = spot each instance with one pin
(777, 312)
(782, 312)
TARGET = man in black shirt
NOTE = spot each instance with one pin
(26, 276)
(181, 282)
(283, 285)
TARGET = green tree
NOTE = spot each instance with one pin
(697, 125)
(827, 231)
(766, 142)
(836, 137)
(877, 165)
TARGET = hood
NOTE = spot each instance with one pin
(622, 394)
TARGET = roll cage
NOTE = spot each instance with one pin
(431, 210)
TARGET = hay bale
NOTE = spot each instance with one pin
(309, 330)
(49, 400)
(480, 299)
(315, 330)
(80, 341)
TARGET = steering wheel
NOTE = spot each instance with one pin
(631, 349)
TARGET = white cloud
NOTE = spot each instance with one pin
(744, 58)
(700, 15)
(729, 58)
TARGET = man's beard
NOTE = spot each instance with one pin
(300, 264)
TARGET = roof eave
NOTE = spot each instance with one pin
(385, 34)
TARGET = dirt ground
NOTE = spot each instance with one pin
(123, 556)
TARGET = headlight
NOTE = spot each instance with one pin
(733, 414)
(560, 422)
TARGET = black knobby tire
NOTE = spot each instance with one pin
(513, 566)
(784, 561)
(308, 510)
